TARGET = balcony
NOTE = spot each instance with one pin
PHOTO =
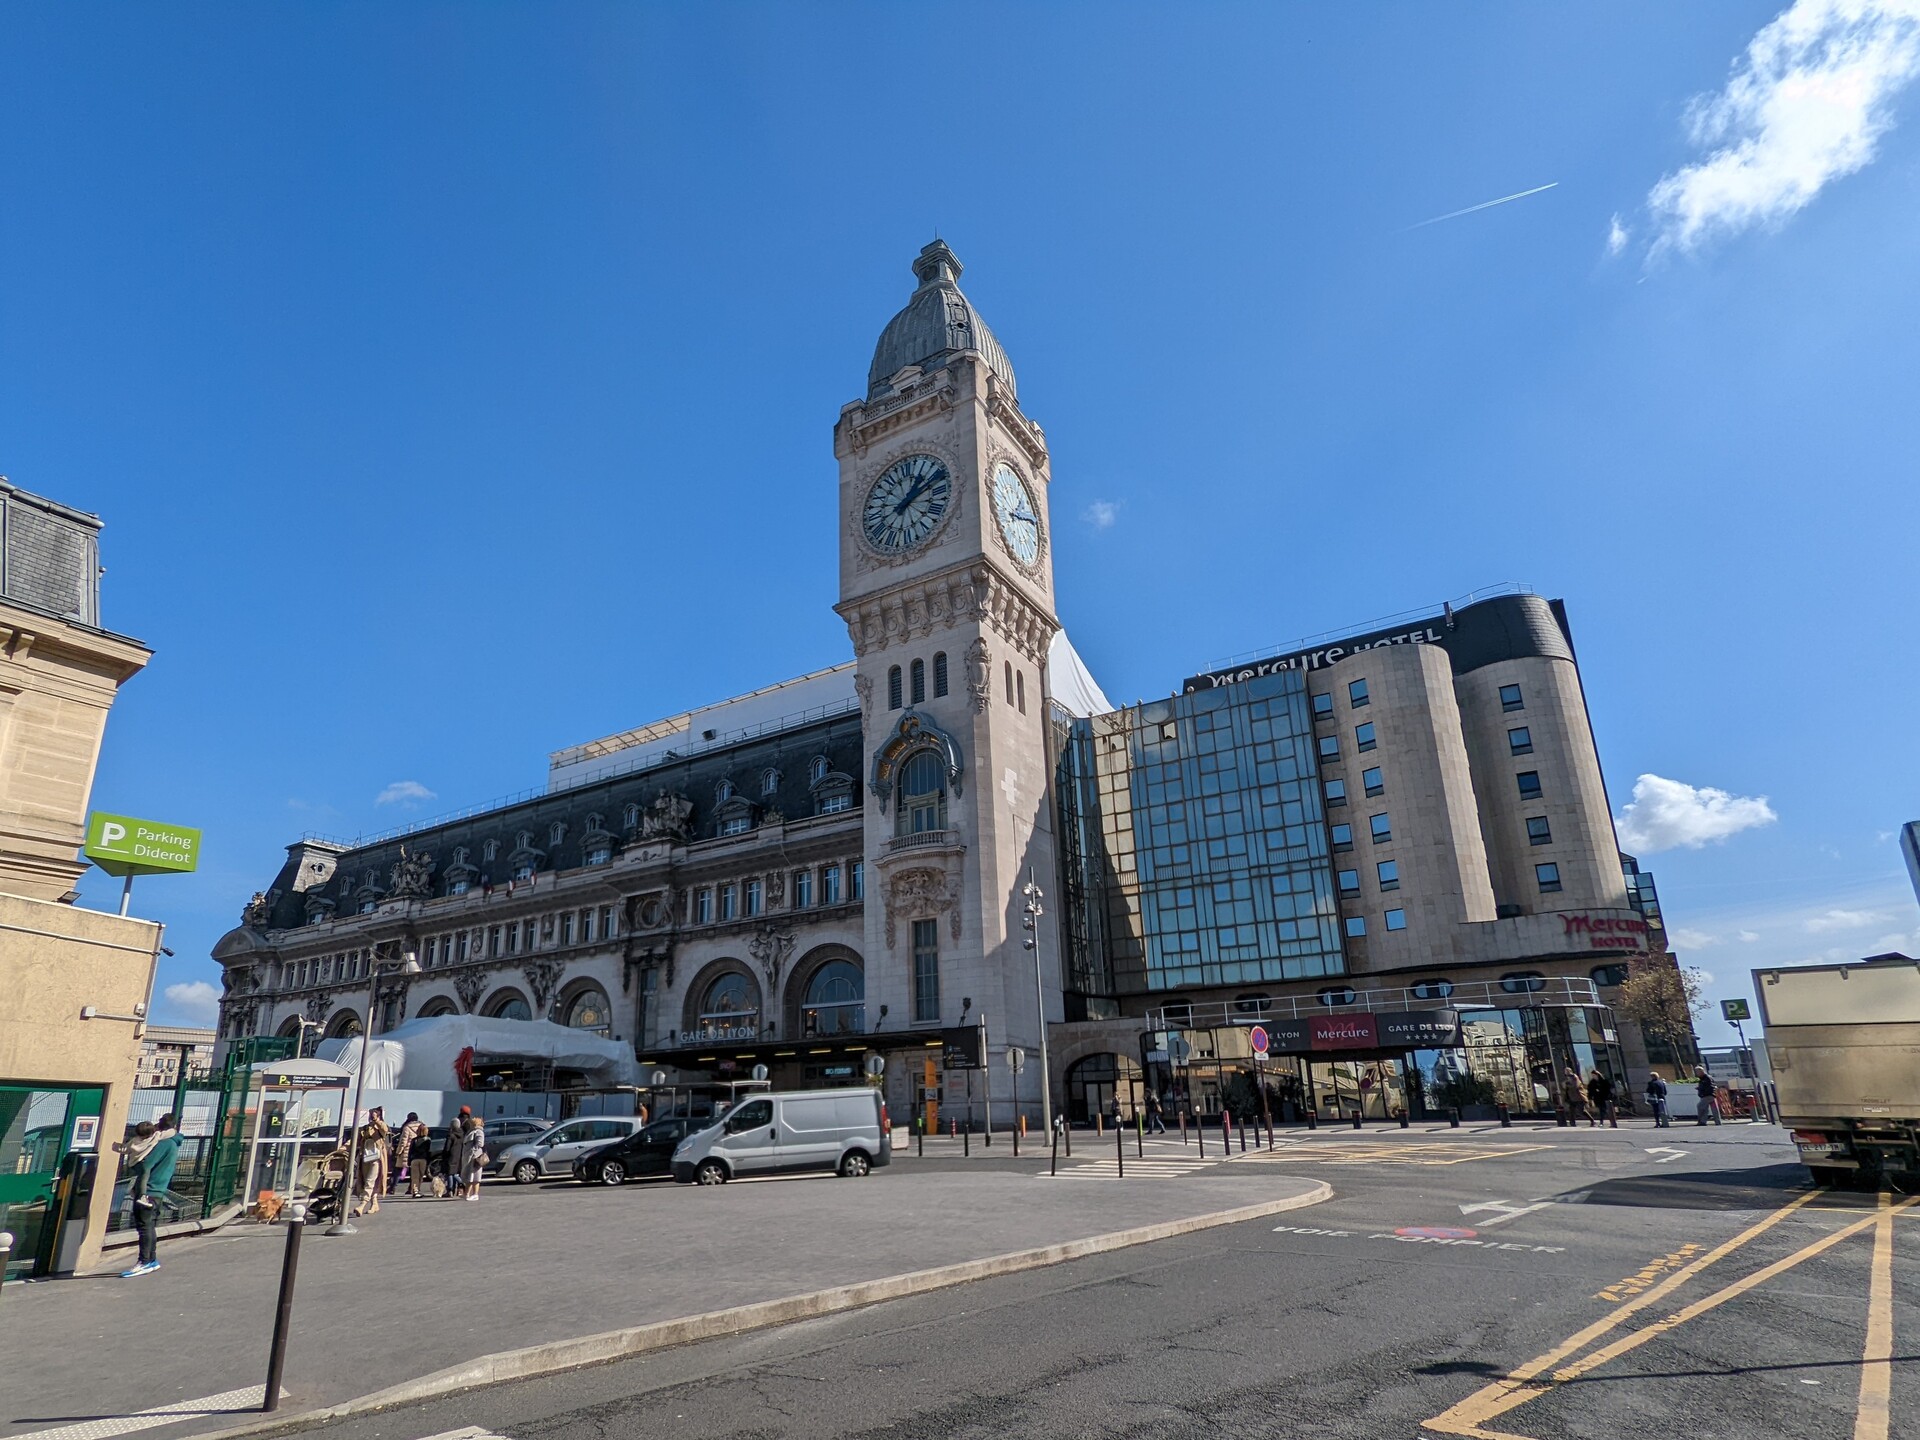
(925, 840)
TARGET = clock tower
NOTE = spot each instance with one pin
(946, 585)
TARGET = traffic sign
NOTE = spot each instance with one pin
(759, 1072)
(876, 1064)
(1258, 1037)
(1735, 1010)
(1016, 1059)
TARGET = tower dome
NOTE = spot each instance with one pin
(938, 320)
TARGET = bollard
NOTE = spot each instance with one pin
(1140, 1134)
(1313, 1118)
(1200, 1133)
(1183, 1129)
(953, 1127)
(1099, 1122)
(283, 1314)
(6, 1249)
(1055, 1170)
(1243, 1138)
(1358, 1121)
(920, 1141)
(1403, 1120)
(1453, 1117)
(1506, 1116)
(966, 1140)
(1226, 1133)
(1120, 1151)
(1017, 1128)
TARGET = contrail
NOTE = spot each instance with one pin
(1485, 205)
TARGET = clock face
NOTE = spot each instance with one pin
(1019, 522)
(906, 504)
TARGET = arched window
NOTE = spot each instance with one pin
(917, 681)
(510, 1006)
(589, 1010)
(769, 782)
(729, 1010)
(630, 817)
(1020, 687)
(723, 792)
(923, 795)
(817, 771)
(835, 1003)
(893, 687)
(939, 674)
(1009, 668)
(556, 832)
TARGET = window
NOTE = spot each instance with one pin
(513, 939)
(939, 674)
(1538, 831)
(723, 792)
(834, 804)
(922, 802)
(608, 926)
(926, 970)
(557, 832)
(1342, 838)
(1356, 926)
(1020, 688)
(459, 887)
(833, 1001)
(1336, 792)
(1396, 919)
(1322, 706)
(769, 782)
(566, 928)
(802, 889)
(753, 897)
(523, 871)
(736, 824)
(599, 853)
(830, 885)
(1363, 736)
(1529, 784)
(490, 851)
(917, 681)
(729, 902)
(1522, 982)
(1609, 975)
(1520, 740)
(893, 687)
(1389, 874)
(1009, 674)
(703, 906)
(493, 941)
(1431, 989)
(1382, 828)
(1335, 996)
(817, 770)
(1373, 781)
(1349, 882)
(1549, 877)
(859, 879)
(1329, 747)
(1357, 693)
(630, 818)
(460, 947)
(1510, 698)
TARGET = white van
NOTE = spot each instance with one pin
(845, 1130)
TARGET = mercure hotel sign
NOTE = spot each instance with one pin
(1426, 632)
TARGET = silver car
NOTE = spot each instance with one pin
(553, 1153)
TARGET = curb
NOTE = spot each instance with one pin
(610, 1345)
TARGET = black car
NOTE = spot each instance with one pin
(646, 1152)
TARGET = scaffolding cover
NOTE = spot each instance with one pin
(437, 1053)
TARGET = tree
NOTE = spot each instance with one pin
(1663, 1000)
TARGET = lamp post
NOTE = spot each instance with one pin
(1031, 923)
(408, 964)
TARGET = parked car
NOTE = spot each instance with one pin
(844, 1130)
(643, 1153)
(554, 1151)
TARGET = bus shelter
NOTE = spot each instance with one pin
(299, 1120)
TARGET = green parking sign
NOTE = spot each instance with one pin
(1735, 1010)
(122, 845)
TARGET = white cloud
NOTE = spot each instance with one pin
(1747, 937)
(1830, 920)
(404, 792)
(1694, 939)
(1617, 236)
(1666, 813)
(1805, 105)
(1102, 514)
(1706, 976)
(193, 1001)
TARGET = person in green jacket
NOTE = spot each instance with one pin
(152, 1173)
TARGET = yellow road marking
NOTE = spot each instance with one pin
(1502, 1395)
(1872, 1417)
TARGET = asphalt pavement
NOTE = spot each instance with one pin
(1534, 1283)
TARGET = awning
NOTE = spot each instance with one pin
(303, 1074)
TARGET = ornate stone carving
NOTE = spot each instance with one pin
(771, 948)
(776, 885)
(980, 674)
(669, 817)
(542, 977)
(919, 895)
(317, 1008)
(469, 985)
(258, 913)
(412, 876)
(973, 593)
(863, 685)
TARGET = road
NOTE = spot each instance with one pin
(1447, 1262)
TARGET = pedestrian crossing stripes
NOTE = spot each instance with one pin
(228, 1402)
(465, 1432)
(1153, 1168)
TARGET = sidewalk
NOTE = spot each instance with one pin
(429, 1284)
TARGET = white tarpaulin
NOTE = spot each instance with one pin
(1070, 682)
(425, 1054)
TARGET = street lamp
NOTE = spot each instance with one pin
(408, 963)
(1031, 923)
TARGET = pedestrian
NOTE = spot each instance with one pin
(1573, 1094)
(1156, 1125)
(1703, 1089)
(1600, 1097)
(410, 1153)
(1657, 1100)
(450, 1167)
(150, 1157)
(371, 1144)
(474, 1156)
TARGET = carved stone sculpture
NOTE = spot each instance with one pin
(258, 914)
(864, 685)
(669, 817)
(469, 985)
(542, 977)
(771, 949)
(411, 877)
(980, 674)
(918, 895)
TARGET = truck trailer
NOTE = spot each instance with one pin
(1844, 1042)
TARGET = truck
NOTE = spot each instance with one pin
(1844, 1044)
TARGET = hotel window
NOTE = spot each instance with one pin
(1363, 736)
(1349, 882)
(1322, 706)
(1523, 982)
(1374, 782)
(1336, 792)
(830, 885)
(1520, 740)
(1396, 919)
(1381, 827)
(703, 907)
(1357, 693)
(729, 902)
(1529, 784)
(1342, 838)
(753, 897)
(1538, 831)
(1510, 698)
(926, 970)
(859, 879)
(1356, 926)
(1329, 747)
(802, 889)
(1549, 877)
(939, 674)
(1388, 872)
(893, 687)
(917, 681)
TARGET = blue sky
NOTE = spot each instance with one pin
(457, 381)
